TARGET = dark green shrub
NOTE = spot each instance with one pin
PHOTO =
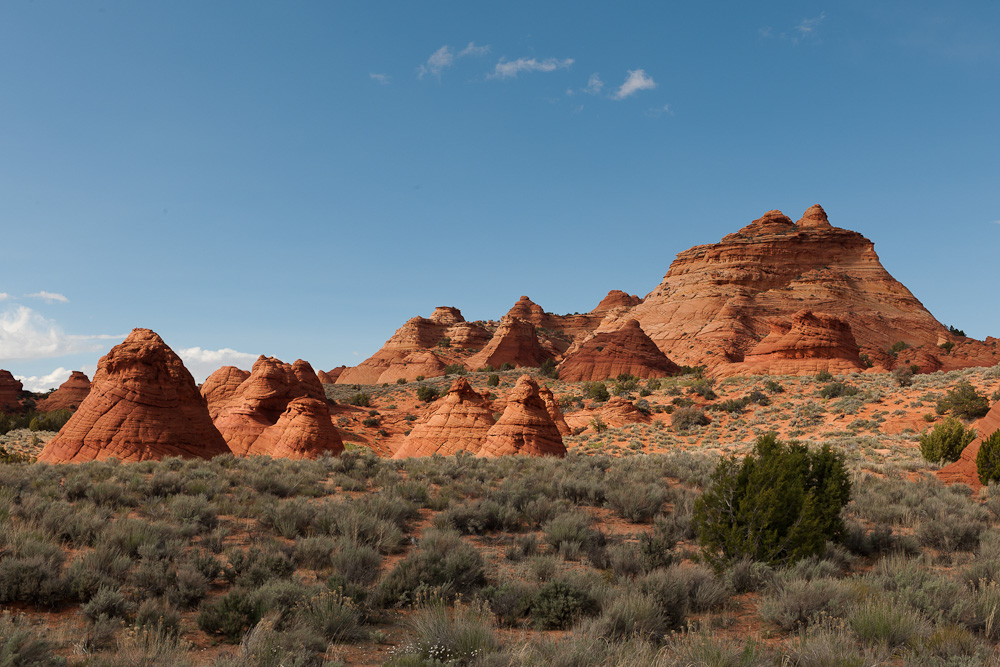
(684, 419)
(506, 366)
(361, 399)
(455, 369)
(956, 331)
(898, 347)
(988, 459)
(964, 402)
(371, 422)
(400, 380)
(824, 376)
(598, 424)
(426, 394)
(493, 380)
(946, 441)
(782, 503)
(704, 388)
(444, 342)
(442, 563)
(947, 346)
(548, 369)
(838, 389)
(597, 391)
(773, 386)
(559, 603)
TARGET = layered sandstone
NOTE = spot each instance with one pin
(715, 302)
(619, 411)
(459, 423)
(10, 392)
(514, 342)
(608, 355)
(259, 417)
(525, 426)
(143, 404)
(220, 386)
(963, 470)
(805, 344)
(68, 396)
(412, 366)
(307, 377)
(330, 376)
(555, 412)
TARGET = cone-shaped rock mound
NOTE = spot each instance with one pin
(10, 392)
(525, 426)
(261, 405)
(608, 355)
(514, 342)
(459, 423)
(143, 404)
(555, 412)
(69, 395)
(220, 386)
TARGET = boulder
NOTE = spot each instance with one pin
(143, 404)
(525, 426)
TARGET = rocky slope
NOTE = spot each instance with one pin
(68, 396)
(10, 392)
(609, 354)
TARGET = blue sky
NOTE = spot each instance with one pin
(297, 179)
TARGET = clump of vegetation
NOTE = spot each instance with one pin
(597, 391)
(506, 366)
(684, 419)
(548, 369)
(964, 402)
(824, 376)
(898, 347)
(704, 388)
(773, 387)
(945, 442)
(838, 389)
(360, 399)
(426, 393)
(780, 504)
(455, 369)
(35, 421)
(903, 376)
(988, 459)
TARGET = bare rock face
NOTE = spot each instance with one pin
(716, 301)
(412, 366)
(618, 411)
(330, 376)
(805, 344)
(608, 355)
(304, 373)
(68, 396)
(525, 426)
(262, 404)
(303, 431)
(143, 404)
(10, 392)
(963, 471)
(220, 386)
(514, 342)
(616, 299)
(555, 412)
(447, 315)
(459, 423)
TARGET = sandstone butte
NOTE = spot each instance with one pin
(804, 344)
(963, 471)
(330, 376)
(445, 334)
(525, 426)
(459, 423)
(514, 342)
(259, 417)
(143, 404)
(618, 411)
(715, 302)
(555, 412)
(68, 396)
(609, 354)
(10, 392)
(220, 386)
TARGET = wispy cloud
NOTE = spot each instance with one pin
(473, 50)
(507, 69)
(4, 296)
(637, 80)
(996, 222)
(594, 84)
(439, 60)
(384, 79)
(44, 382)
(807, 27)
(49, 297)
(202, 363)
(24, 334)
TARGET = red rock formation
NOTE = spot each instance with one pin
(618, 411)
(143, 404)
(616, 299)
(330, 376)
(68, 396)
(459, 423)
(262, 404)
(514, 342)
(805, 344)
(303, 431)
(412, 366)
(525, 426)
(608, 355)
(963, 471)
(447, 315)
(220, 386)
(714, 303)
(555, 412)
(307, 377)
(10, 392)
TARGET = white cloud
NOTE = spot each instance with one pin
(637, 80)
(507, 69)
(202, 363)
(4, 296)
(437, 61)
(44, 382)
(24, 334)
(807, 27)
(473, 50)
(380, 78)
(49, 297)
(594, 84)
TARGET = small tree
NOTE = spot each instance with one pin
(781, 504)
(426, 394)
(988, 459)
(964, 402)
(548, 369)
(946, 441)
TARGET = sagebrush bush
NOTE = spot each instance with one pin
(964, 401)
(988, 459)
(559, 603)
(684, 419)
(442, 563)
(945, 442)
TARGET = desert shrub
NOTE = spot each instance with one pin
(597, 391)
(195, 509)
(903, 376)
(824, 376)
(442, 562)
(704, 589)
(964, 402)
(569, 530)
(506, 366)
(703, 387)
(479, 516)
(313, 552)
(945, 442)
(795, 603)
(355, 564)
(335, 617)
(426, 394)
(670, 594)
(598, 424)
(493, 380)
(988, 459)
(510, 601)
(360, 399)
(773, 386)
(782, 503)
(289, 518)
(21, 645)
(881, 621)
(559, 603)
(231, 615)
(837, 389)
(108, 602)
(455, 369)
(684, 419)
(190, 586)
(898, 347)
(254, 566)
(548, 369)
(637, 503)
(33, 578)
(442, 636)
(747, 575)
(633, 614)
